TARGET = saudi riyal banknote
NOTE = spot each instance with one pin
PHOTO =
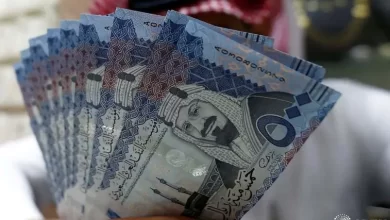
(125, 83)
(69, 39)
(212, 125)
(53, 90)
(35, 119)
(22, 72)
(98, 55)
(95, 34)
(91, 55)
(54, 95)
(37, 130)
(123, 86)
(37, 101)
(117, 164)
(300, 65)
(125, 49)
(132, 35)
(39, 79)
(68, 67)
(117, 173)
(249, 39)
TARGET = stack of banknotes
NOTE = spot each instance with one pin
(139, 114)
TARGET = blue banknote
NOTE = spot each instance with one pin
(68, 66)
(130, 44)
(23, 70)
(35, 120)
(69, 39)
(95, 33)
(117, 163)
(91, 55)
(116, 151)
(249, 39)
(53, 92)
(124, 87)
(300, 65)
(39, 79)
(109, 134)
(212, 125)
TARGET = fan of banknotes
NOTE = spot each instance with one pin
(139, 115)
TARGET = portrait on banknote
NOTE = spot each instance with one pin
(216, 139)
(226, 128)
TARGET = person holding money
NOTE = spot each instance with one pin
(341, 169)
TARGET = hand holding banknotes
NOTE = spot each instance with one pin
(142, 115)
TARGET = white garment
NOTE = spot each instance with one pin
(23, 185)
(341, 169)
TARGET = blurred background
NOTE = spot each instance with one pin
(19, 21)
(350, 38)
